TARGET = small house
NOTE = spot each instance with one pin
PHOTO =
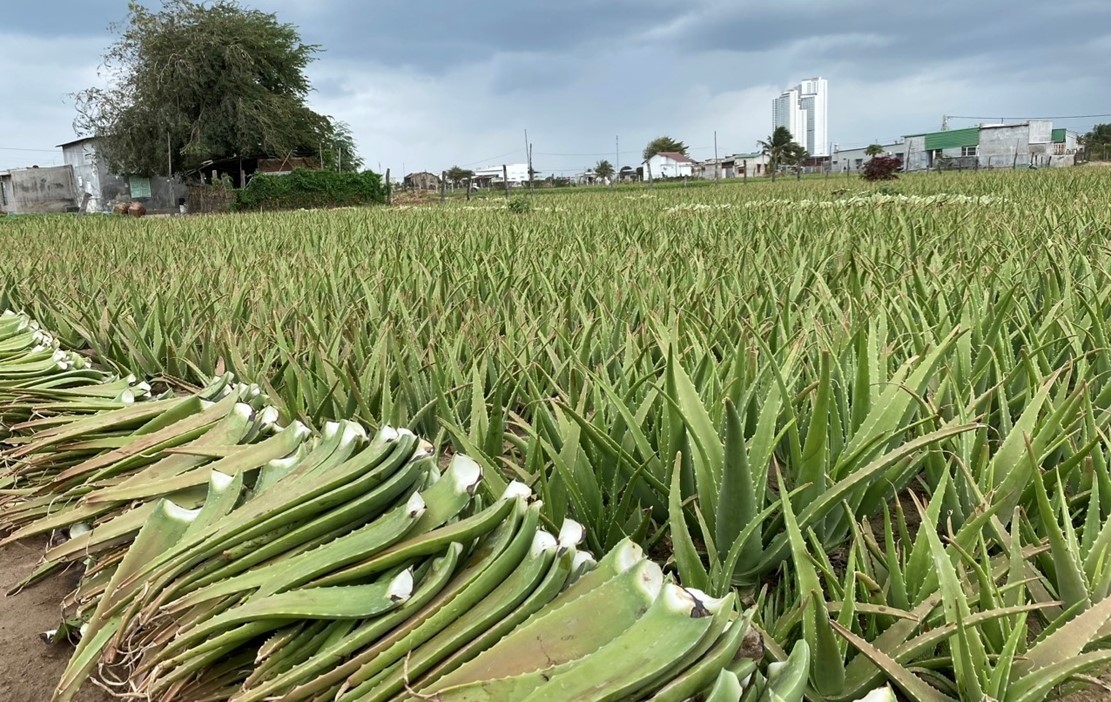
(422, 180)
(668, 164)
(100, 189)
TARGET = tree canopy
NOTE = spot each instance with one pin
(781, 150)
(1099, 137)
(603, 169)
(455, 174)
(207, 81)
(873, 150)
(664, 144)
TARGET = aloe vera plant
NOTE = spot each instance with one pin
(762, 402)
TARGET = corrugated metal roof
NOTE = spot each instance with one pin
(1058, 136)
(953, 138)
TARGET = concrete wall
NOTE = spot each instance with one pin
(41, 190)
(852, 159)
(106, 189)
(164, 193)
(86, 171)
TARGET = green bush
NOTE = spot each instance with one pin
(520, 205)
(304, 189)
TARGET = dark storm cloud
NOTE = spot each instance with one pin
(434, 81)
(431, 36)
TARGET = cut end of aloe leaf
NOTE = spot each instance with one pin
(401, 587)
(650, 578)
(415, 506)
(179, 513)
(465, 473)
(627, 554)
(79, 529)
(387, 433)
(352, 431)
(424, 449)
(542, 543)
(571, 534)
(287, 462)
(299, 430)
(330, 429)
(583, 561)
(691, 603)
(703, 604)
(268, 415)
(220, 481)
(516, 489)
(880, 694)
(242, 410)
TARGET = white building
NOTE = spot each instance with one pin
(804, 111)
(668, 164)
(853, 159)
(515, 173)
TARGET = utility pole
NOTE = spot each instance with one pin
(717, 164)
(616, 157)
(169, 157)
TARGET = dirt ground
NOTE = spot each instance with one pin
(29, 668)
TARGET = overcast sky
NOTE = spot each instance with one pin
(428, 84)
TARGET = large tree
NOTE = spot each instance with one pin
(781, 150)
(1098, 141)
(873, 150)
(202, 81)
(664, 144)
(457, 175)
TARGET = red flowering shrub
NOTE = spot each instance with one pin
(881, 168)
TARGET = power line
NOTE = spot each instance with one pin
(1054, 117)
(16, 148)
(490, 159)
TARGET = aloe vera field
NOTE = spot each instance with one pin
(768, 442)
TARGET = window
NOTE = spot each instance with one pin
(140, 187)
(968, 150)
(859, 162)
(1059, 149)
(899, 155)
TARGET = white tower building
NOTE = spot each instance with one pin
(804, 111)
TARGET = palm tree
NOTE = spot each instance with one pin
(781, 150)
(604, 169)
(873, 150)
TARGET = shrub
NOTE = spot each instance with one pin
(881, 168)
(520, 205)
(310, 189)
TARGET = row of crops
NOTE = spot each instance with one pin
(878, 421)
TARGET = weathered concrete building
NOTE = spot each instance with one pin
(1034, 143)
(100, 189)
(38, 190)
(851, 160)
(422, 180)
(733, 166)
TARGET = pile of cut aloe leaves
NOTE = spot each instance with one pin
(224, 556)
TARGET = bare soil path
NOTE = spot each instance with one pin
(29, 668)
